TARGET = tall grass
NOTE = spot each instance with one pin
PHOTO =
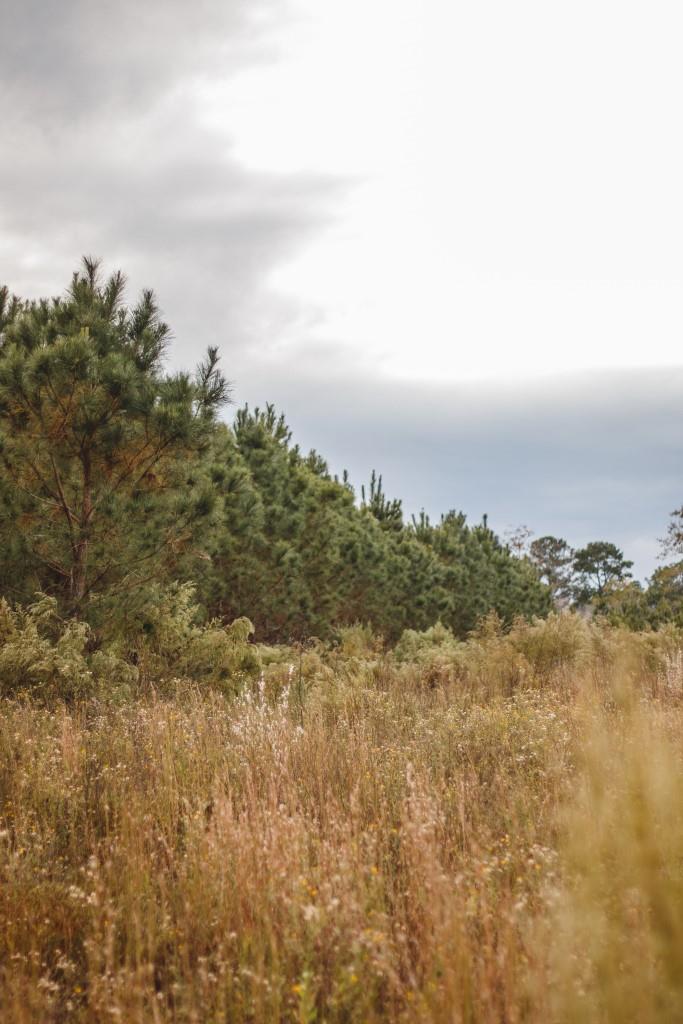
(488, 831)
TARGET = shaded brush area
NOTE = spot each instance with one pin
(55, 659)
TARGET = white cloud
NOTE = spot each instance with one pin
(518, 206)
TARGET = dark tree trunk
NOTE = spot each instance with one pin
(79, 573)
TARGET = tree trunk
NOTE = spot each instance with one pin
(79, 572)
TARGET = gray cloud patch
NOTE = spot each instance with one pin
(71, 59)
(105, 153)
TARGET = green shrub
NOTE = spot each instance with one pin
(45, 656)
(52, 658)
(172, 644)
(357, 641)
(422, 646)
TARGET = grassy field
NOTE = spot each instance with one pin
(452, 832)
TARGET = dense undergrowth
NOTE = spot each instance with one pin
(487, 830)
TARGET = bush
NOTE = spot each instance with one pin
(422, 646)
(45, 656)
(357, 641)
(52, 658)
(172, 644)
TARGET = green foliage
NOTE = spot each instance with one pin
(651, 607)
(481, 574)
(357, 641)
(599, 566)
(96, 441)
(664, 598)
(497, 660)
(416, 646)
(598, 578)
(119, 480)
(172, 643)
(293, 551)
(389, 513)
(52, 658)
(42, 655)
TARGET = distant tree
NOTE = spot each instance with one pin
(95, 437)
(553, 559)
(673, 542)
(665, 595)
(599, 566)
(661, 602)
(517, 538)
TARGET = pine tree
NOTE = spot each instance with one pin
(95, 437)
(388, 512)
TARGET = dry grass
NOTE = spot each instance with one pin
(481, 832)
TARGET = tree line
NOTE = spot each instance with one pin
(119, 479)
(598, 578)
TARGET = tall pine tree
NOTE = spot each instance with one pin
(95, 438)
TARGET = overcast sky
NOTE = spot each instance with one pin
(443, 237)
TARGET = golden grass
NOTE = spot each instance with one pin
(481, 832)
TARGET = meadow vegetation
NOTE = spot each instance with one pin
(458, 804)
(479, 830)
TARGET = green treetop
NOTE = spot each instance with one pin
(93, 435)
(599, 566)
